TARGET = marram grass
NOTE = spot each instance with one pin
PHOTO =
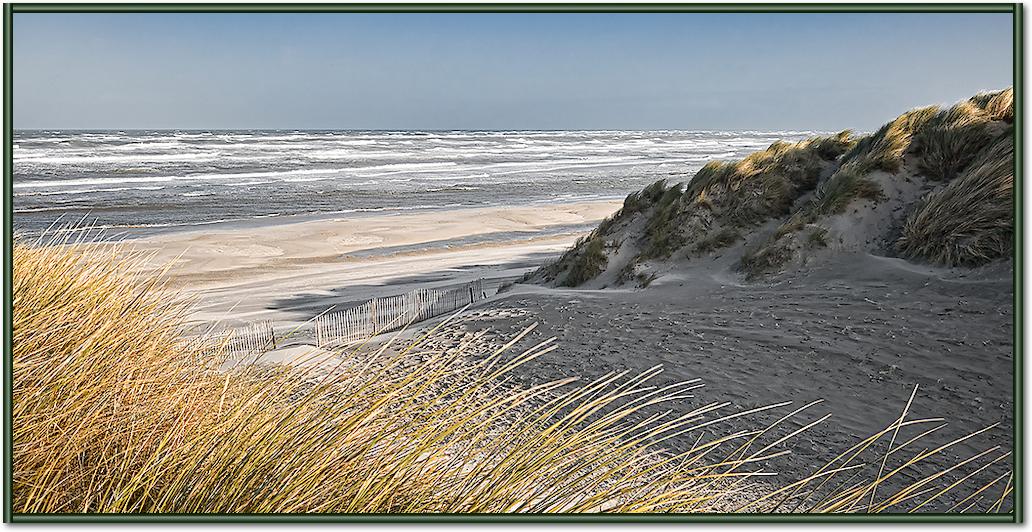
(115, 410)
(969, 221)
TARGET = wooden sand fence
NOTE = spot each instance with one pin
(252, 339)
(386, 314)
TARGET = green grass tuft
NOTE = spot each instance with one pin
(719, 240)
(834, 195)
(589, 261)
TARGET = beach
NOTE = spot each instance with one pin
(158, 181)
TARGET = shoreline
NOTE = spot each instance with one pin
(117, 233)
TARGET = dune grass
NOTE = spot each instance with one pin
(969, 221)
(766, 183)
(738, 194)
(734, 195)
(834, 195)
(769, 256)
(999, 105)
(884, 149)
(645, 198)
(587, 260)
(719, 240)
(831, 197)
(951, 139)
(116, 411)
(661, 232)
(723, 196)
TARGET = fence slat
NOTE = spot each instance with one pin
(252, 339)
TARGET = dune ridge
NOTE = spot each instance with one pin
(935, 185)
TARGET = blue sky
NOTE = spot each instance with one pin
(499, 71)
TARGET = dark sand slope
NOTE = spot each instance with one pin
(858, 333)
(842, 269)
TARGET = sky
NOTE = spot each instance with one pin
(498, 71)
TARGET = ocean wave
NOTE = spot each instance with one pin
(85, 191)
(171, 178)
(87, 159)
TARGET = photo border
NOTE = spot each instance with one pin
(1015, 516)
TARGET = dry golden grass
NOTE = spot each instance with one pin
(115, 412)
(970, 221)
(766, 183)
(951, 139)
(999, 105)
(883, 150)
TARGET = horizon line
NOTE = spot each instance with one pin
(433, 130)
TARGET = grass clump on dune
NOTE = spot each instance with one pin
(942, 141)
(588, 259)
(645, 198)
(768, 257)
(721, 239)
(923, 144)
(733, 195)
(834, 195)
(739, 194)
(938, 144)
(662, 232)
(883, 150)
(969, 221)
(818, 238)
(999, 105)
(952, 139)
(766, 183)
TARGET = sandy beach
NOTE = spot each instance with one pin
(290, 272)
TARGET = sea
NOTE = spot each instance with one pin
(142, 182)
